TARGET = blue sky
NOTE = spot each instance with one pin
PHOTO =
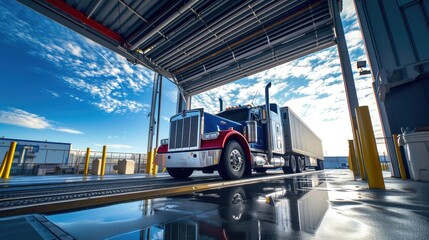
(59, 86)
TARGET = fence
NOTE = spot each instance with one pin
(59, 162)
(382, 153)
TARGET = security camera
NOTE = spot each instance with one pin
(361, 64)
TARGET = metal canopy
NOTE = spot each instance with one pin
(202, 44)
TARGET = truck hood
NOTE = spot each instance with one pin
(213, 123)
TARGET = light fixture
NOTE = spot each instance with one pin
(361, 65)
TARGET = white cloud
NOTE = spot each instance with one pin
(25, 119)
(114, 146)
(348, 9)
(74, 49)
(55, 94)
(67, 130)
(101, 76)
(22, 118)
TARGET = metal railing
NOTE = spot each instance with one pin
(60, 162)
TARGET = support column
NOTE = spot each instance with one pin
(158, 121)
(158, 117)
(183, 102)
(346, 68)
(150, 153)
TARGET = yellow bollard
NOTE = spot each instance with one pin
(349, 162)
(369, 148)
(103, 161)
(399, 156)
(85, 170)
(358, 145)
(149, 162)
(154, 166)
(353, 160)
(9, 160)
(3, 164)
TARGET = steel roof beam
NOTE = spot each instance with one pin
(183, 68)
(207, 31)
(297, 28)
(160, 26)
(296, 31)
(286, 53)
(222, 30)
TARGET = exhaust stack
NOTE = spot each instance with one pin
(268, 119)
(220, 104)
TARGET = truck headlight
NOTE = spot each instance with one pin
(164, 141)
(210, 136)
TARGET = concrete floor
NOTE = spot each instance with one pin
(323, 205)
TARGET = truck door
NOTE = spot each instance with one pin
(255, 114)
(277, 133)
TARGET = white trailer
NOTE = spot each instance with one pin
(300, 141)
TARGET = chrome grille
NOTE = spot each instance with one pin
(185, 131)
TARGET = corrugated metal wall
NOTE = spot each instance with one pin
(399, 31)
(396, 35)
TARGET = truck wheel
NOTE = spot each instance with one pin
(180, 173)
(299, 165)
(233, 207)
(292, 165)
(233, 161)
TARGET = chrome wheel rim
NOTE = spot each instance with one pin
(236, 160)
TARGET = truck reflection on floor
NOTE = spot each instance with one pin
(267, 210)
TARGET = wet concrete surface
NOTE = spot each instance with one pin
(323, 205)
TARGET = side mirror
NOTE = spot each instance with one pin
(251, 131)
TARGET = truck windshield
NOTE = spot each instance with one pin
(238, 115)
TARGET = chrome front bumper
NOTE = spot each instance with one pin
(191, 159)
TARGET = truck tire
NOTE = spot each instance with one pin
(180, 173)
(292, 165)
(299, 165)
(233, 162)
(233, 205)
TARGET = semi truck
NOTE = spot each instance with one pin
(239, 140)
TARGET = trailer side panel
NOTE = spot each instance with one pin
(298, 137)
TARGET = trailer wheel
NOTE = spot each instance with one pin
(180, 173)
(320, 165)
(233, 161)
(292, 165)
(299, 165)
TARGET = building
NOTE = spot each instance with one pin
(31, 155)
